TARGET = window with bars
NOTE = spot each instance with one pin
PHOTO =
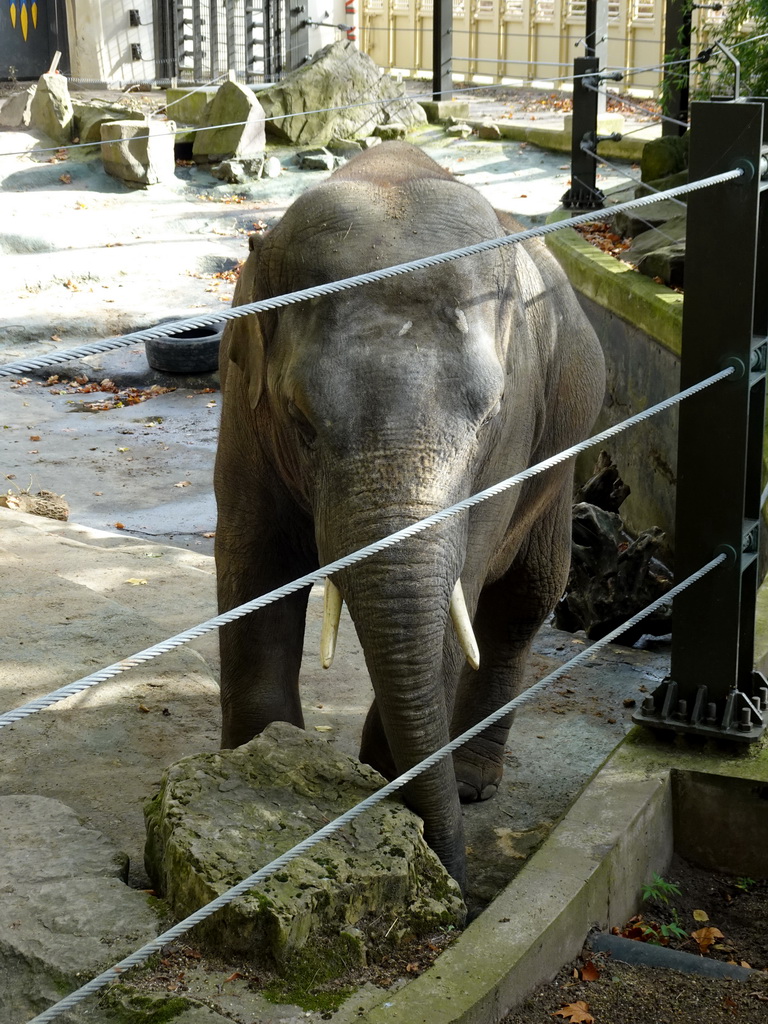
(544, 10)
(576, 10)
(459, 8)
(483, 9)
(512, 10)
(643, 11)
(374, 6)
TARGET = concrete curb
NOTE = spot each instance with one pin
(559, 140)
(653, 308)
(588, 873)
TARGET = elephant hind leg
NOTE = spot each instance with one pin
(374, 746)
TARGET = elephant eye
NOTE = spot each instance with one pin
(305, 428)
(492, 414)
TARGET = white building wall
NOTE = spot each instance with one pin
(100, 38)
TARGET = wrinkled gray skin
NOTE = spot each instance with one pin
(349, 417)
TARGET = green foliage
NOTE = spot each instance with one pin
(715, 77)
(659, 889)
(745, 884)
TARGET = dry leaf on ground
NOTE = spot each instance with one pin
(577, 1013)
(704, 937)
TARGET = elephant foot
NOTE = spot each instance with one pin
(470, 794)
(476, 778)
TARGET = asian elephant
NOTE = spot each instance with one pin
(348, 417)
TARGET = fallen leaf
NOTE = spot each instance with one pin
(575, 1012)
(182, 483)
(700, 915)
(34, 437)
(98, 493)
(589, 972)
(123, 449)
(135, 582)
(209, 535)
(144, 709)
(54, 337)
(412, 968)
(66, 179)
(233, 977)
(323, 728)
(120, 526)
(704, 937)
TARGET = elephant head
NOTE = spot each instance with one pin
(348, 417)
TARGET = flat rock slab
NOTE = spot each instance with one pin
(219, 817)
(64, 907)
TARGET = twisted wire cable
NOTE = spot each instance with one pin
(17, 714)
(155, 945)
(332, 287)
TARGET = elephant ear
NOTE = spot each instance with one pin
(243, 340)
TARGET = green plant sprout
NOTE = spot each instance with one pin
(659, 889)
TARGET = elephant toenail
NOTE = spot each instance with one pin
(489, 791)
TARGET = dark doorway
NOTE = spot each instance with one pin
(30, 33)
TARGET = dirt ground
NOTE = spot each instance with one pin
(600, 989)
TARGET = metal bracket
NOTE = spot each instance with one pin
(738, 718)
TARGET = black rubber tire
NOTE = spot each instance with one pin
(196, 350)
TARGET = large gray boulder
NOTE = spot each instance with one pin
(65, 910)
(52, 111)
(244, 138)
(139, 152)
(339, 75)
(219, 817)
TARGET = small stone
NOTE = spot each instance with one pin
(231, 171)
(391, 130)
(459, 130)
(272, 167)
(316, 160)
(489, 130)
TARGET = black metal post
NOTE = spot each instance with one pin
(590, 29)
(442, 50)
(720, 439)
(677, 46)
(583, 193)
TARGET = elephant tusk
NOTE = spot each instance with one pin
(463, 627)
(332, 602)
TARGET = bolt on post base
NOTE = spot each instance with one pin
(582, 196)
(739, 717)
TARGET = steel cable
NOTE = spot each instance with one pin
(155, 945)
(40, 703)
(332, 287)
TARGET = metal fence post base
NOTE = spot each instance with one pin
(584, 193)
(713, 690)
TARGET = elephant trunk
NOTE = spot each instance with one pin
(399, 602)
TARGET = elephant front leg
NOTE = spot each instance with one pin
(260, 662)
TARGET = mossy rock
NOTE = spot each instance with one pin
(219, 817)
(664, 156)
